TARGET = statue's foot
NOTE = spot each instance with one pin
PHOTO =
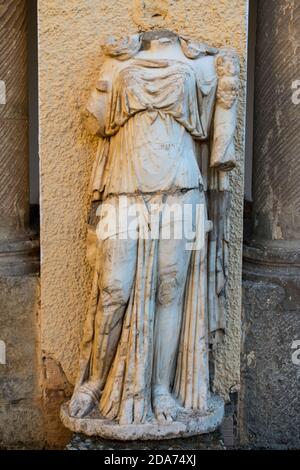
(165, 406)
(81, 404)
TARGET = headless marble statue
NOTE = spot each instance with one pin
(164, 109)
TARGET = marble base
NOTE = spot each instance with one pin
(190, 423)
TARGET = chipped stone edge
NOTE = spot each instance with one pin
(191, 426)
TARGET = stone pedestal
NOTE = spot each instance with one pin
(213, 441)
(21, 420)
(270, 409)
(188, 424)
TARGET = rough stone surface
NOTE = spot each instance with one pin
(55, 391)
(276, 169)
(69, 60)
(269, 412)
(14, 164)
(270, 400)
(211, 441)
(21, 420)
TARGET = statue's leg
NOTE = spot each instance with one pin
(118, 262)
(173, 262)
(173, 266)
(116, 280)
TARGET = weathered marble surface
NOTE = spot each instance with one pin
(164, 109)
(68, 59)
(186, 425)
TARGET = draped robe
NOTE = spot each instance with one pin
(180, 98)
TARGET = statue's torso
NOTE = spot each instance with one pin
(155, 109)
(151, 107)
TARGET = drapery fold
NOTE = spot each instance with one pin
(196, 101)
(126, 396)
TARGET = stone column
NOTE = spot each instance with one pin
(18, 251)
(20, 411)
(270, 410)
